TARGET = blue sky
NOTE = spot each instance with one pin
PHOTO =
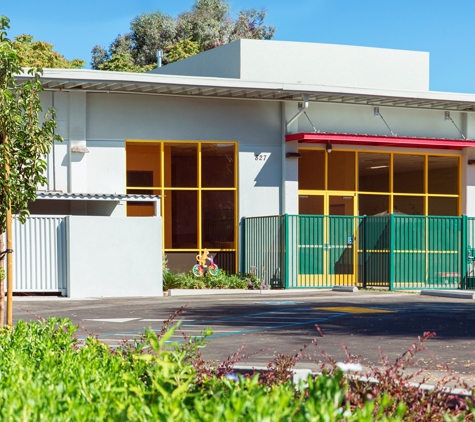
(441, 27)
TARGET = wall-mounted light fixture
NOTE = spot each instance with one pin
(79, 149)
(293, 155)
(329, 147)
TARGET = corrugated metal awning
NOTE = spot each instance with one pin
(379, 140)
(87, 80)
(95, 196)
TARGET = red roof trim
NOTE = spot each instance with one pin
(378, 140)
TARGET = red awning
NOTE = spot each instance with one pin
(379, 140)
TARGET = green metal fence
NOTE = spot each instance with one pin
(264, 250)
(393, 251)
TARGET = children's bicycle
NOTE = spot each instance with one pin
(201, 268)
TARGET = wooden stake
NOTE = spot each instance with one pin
(9, 267)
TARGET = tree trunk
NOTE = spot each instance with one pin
(2, 282)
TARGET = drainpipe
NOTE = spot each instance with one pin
(301, 111)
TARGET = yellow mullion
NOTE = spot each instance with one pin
(391, 183)
(199, 216)
(426, 185)
(162, 183)
(326, 171)
(236, 208)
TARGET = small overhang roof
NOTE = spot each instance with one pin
(86, 80)
(95, 196)
(379, 140)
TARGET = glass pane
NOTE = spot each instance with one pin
(181, 165)
(443, 175)
(217, 165)
(312, 170)
(408, 173)
(341, 205)
(141, 209)
(143, 164)
(218, 219)
(412, 205)
(341, 170)
(181, 228)
(373, 172)
(312, 204)
(443, 206)
(373, 204)
(181, 262)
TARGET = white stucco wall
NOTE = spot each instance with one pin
(114, 257)
(310, 63)
(343, 118)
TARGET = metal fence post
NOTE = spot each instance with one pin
(464, 252)
(243, 244)
(392, 243)
(364, 252)
(287, 251)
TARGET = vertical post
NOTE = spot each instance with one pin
(243, 245)
(365, 257)
(287, 251)
(8, 218)
(9, 267)
(392, 260)
(464, 252)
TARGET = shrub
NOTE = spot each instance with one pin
(222, 280)
(47, 374)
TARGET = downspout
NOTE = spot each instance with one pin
(54, 149)
(301, 111)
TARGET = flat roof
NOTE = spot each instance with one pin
(96, 81)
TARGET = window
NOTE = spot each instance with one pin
(199, 196)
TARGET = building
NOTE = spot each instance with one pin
(246, 130)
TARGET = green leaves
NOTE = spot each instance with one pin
(207, 25)
(25, 137)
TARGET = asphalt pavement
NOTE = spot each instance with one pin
(367, 324)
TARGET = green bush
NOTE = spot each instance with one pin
(222, 280)
(46, 374)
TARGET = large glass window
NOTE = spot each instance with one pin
(399, 182)
(443, 175)
(373, 172)
(197, 181)
(312, 169)
(408, 173)
(341, 171)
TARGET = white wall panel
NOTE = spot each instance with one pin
(39, 256)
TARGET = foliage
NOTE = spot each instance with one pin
(222, 280)
(181, 50)
(123, 62)
(207, 25)
(48, 374)
(24, 139)
(40, 54)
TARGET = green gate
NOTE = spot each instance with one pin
(393, 251)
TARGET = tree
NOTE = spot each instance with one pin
(25, 140)
(40, 54)
(207, 25)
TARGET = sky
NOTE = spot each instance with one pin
(441, 27)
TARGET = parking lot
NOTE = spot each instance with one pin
(283, 322)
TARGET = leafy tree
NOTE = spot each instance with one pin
(207, 25)
(181, 50)
(25, 140)
(40, 54)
